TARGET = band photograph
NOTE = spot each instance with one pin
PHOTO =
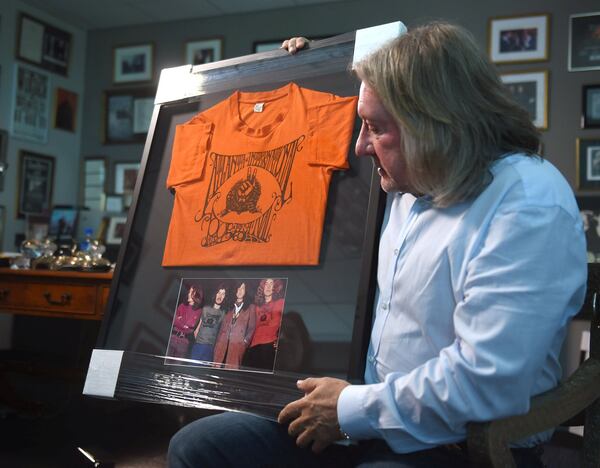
(227, 323)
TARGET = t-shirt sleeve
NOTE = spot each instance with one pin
(190, 148)
(330, 132)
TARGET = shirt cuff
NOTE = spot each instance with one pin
(352, 413)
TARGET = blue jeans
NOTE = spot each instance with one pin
(202, 352)
(242, 440)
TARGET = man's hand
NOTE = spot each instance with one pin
(313, 418)
(294, 44)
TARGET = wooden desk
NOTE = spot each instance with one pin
(47, 293)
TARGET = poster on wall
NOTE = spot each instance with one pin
(30, 105)
(36, 181)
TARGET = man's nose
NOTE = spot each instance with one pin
(363, 145)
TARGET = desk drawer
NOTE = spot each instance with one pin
(66, 298)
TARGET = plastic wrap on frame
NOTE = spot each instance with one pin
(144, 377)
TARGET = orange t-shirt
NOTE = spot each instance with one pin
(251, 176)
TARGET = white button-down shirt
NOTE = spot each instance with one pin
(471, 310)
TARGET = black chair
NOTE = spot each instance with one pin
(576, 401)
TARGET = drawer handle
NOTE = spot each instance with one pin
(65, 298)
(4, 294)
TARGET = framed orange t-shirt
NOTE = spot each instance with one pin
(251, 176)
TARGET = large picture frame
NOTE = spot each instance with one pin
(203, 51)
(36, 184)
(31, 105)
(133, 63)
(530, 90)
(127, 115)
(518, 39)
(325, 327)
(43, 45)
(587, 156)
(590, 106)
(584, 42)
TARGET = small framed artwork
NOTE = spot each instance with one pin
(115, 229)
(584, 42)
(264, 46)
(590, 115)
(114, 203)
(65, 109)
(589, 207)
(127, 115)
(530, 90)
(133, 63)
(587, 154)
(125, 177)
(43, 45)
(36, 180)
(514, 39)
(204, 51)
(31, 105)
(94, 182)
(63, 222)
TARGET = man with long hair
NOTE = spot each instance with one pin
(237, 329)
(482, 263)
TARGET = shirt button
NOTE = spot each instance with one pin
(384, 306)
(372, 359)
(396, 251)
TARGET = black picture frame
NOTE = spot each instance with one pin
(590, 106)
(348, 251)
(36, 184)
(584, 43)
(43, 45)
(587, 154)
(122, 110)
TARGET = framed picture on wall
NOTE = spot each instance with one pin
(590, 115)
(125, 177)
(133, 63)
(204, 51)
(114, 203)
(530, 90)
(127, 115)
(36, 181)
(513, 39)
(115, 229)
(584, 42)
(94, 182)
(264, 46)
(31, 105)
(65, 109)
(43, 45)
(587, 154)
(589, 207)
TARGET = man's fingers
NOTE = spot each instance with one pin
(289, 413)
(304, 439)
(307, 385)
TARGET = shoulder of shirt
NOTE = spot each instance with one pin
(315, 99)
(538, 181)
